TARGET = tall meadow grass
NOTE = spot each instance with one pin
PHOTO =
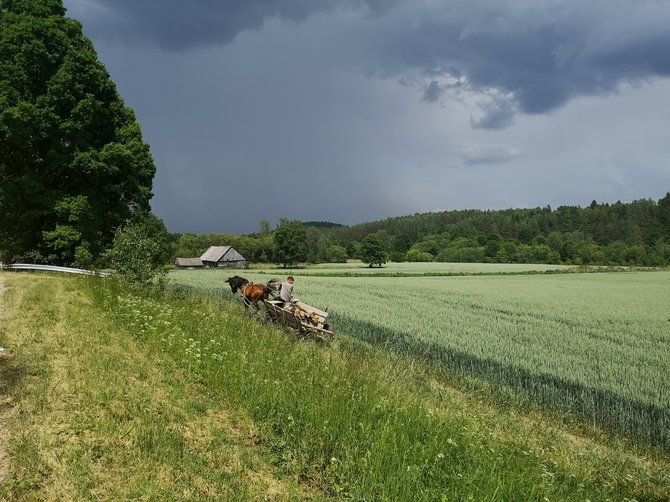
(351, 419)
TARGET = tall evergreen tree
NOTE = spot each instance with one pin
(73, 165)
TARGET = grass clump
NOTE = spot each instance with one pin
(99, 415)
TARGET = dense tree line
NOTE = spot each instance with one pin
(635, 233)
(621, 233)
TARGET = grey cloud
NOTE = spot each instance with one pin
(498, 112)
(542, 54)
(433, 92)
(488, 154)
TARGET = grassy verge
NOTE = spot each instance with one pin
(139, 395)
(99, 415)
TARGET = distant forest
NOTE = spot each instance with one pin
(635, 233)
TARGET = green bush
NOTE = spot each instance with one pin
(135, 255)
(416, 256)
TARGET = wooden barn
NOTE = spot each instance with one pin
(223, 257)
(188, 263)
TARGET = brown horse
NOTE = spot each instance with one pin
(253, 293)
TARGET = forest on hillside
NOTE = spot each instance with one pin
(635, 233)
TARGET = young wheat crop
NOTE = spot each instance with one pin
(595, 344)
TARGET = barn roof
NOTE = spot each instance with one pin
(188, 262)
(222, 253)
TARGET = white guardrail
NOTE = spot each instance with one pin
(51, 268)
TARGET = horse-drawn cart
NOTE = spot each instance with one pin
(306, 321)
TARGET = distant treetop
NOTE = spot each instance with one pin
(321, 224)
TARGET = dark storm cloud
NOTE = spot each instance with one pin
(539, 54)
(353, 111)
(179, 25)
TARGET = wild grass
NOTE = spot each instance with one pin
(350, 422)
(99, 415)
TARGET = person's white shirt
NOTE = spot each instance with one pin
(286, 293)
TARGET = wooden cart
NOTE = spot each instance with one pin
(306, 321)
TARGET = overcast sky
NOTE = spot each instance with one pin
(356, 110)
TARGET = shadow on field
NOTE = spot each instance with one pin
(623, 415)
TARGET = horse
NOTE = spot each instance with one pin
(236, 283)
(251, 293)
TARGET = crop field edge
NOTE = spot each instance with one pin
(624, 418)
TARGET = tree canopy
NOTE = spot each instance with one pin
(372, 250)
(290, 240)
(73, 164)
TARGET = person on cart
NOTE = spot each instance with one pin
(286, 293)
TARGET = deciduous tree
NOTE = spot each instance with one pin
(73, 165)
(372, 250)
(290, 241)
(136, 253)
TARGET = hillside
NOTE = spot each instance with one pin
(634, 233)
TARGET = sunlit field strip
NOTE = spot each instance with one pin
(597, 341)
(414, 268)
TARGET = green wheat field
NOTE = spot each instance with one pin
(596, 345)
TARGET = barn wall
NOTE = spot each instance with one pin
(232, 264)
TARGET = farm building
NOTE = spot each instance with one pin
(188, 262)
(223, 257)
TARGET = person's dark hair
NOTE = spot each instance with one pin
(290, 278)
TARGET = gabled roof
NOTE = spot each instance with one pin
(218, 253)
(188, 262)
